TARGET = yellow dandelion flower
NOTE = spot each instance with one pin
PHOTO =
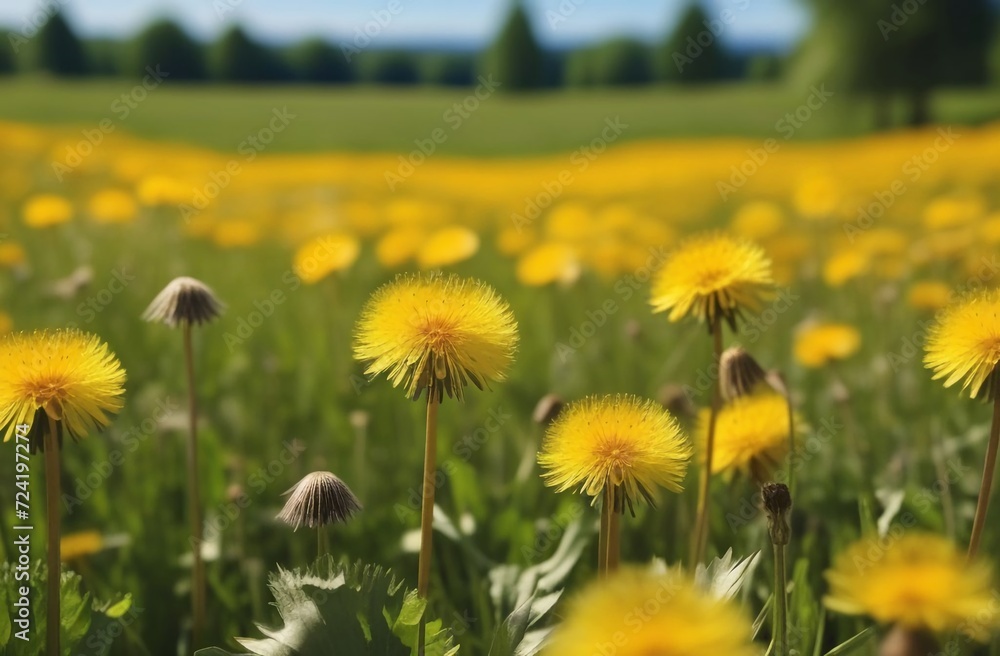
(712, 277)
(436, 331)
(71, 375)
(845, 265)
(816, 196)
(638, 613)
(548, 263)
(164, 190)
(514, 240)
(964, 343)
(818, 344)
(928, 295)
(399, 246)
(46, 210)
(80, 544)
(236, 233)
(12, 254)
(948, 212)
(751, 435)
(918, 580)
(757, 220)
(623, 441)
(112, 206)
(448, 246)
(323, 255)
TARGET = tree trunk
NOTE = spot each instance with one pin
(920, 106)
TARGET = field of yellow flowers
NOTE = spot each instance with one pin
(615, 280)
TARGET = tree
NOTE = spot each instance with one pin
(692, 53)
(579, 68)
(59, 51)
(453, 70)
(622, 62)
(887, 47)
(7, 64)
(390, 67)
(238, 58)
(166, 44)
(318, 61)
(515, 58)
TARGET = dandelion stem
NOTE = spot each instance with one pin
(427, 507)
(989, 467)
(701, 521)
(602, 538)
(791, 439)
(322, 542)
(780, 613)
(614, 544)
(52, 494)
(194, 500)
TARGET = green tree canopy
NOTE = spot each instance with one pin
(317, 61)
(59, 51)
(515, 58)
(622, 62)
(692, 53)
(236, 57)
(165, 44)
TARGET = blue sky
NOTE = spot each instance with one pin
(776, 22)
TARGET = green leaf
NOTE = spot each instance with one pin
(331, 609)
(851, 644)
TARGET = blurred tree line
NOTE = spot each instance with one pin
(879, 49)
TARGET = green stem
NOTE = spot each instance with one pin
(52, 494)
(780, 611)
(989, 467)
(602, 537)
(427, 509)
(194, 500)
(701, 521)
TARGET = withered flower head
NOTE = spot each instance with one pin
(777, 502)
(184, 299)
(547, 409)
(739, 373)
(319, 499)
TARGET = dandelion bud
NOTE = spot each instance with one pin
(901, 641)
(547, 409)
(777, 503)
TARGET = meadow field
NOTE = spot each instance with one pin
(294, 205)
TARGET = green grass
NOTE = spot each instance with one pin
(382, 119)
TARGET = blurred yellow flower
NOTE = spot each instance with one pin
(447, 246)
(82, 543)
(964, 343)
(712, 277)
(399, 246)
(437, 332)
(325, 254)
(949, 212)
(845, 265)
(751, 435)
(757, 220)
(163, 190)
(547, 263)
(816, 196)
(46, 210)
(928, 295)
(236, 233)
(918, 580)
(12, 254)
(112, 206)
(636, 612)
(817, 344)
(71, 375)
(622, 441)
(513, 240)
